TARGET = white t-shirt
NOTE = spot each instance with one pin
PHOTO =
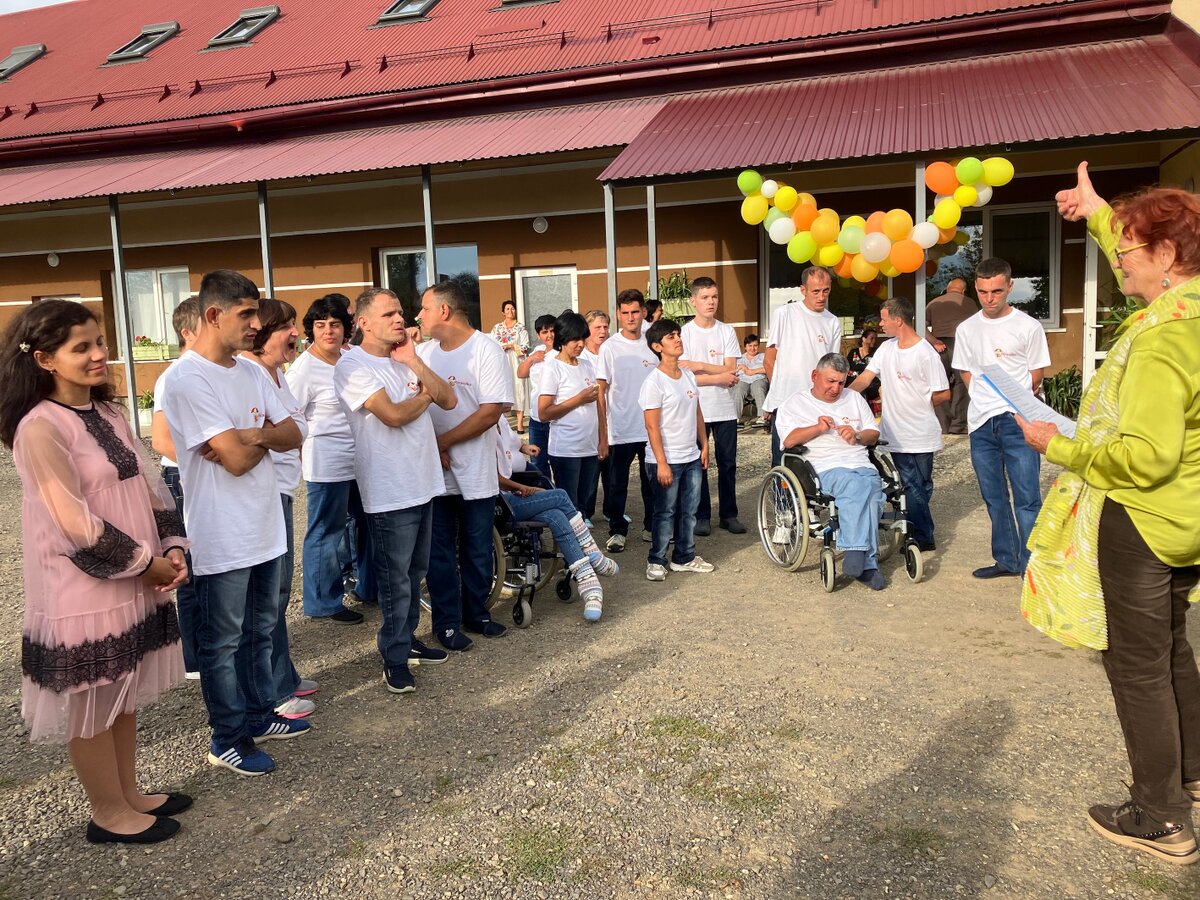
(479, 373)
(578, 432)
(624, 366)
(802, 337)
(756, 363)
(712, 346)
(287, 465)
(1015, 342)
(593, 358)
(233, 522)
(677, 398)
(509, 457)
(535, 380)
(396, 468)
(908, 379)
(160, 389)
(829, 451)
(328, 451)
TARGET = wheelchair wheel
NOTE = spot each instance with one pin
(914, 565)
(828, 570)
(890, 540)
(564, 591)
(522, 613)
(514, 571)
(783, 519)
(497, 581)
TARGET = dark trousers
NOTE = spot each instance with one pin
(776, 441)
(460, 561)
(539, 436)
(401, 543)
(621, 457)
(576, 475)
(953, 413)
(1151, 666)
(185, 594)
(722, 438)
(916, 474)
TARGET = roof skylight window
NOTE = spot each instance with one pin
(19, 59)
(250, 22)
(151, 36)
(406, 10)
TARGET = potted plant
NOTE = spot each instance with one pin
(146, 349)
(145, 405)
(674, 292)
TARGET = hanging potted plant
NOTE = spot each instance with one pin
(146, 349)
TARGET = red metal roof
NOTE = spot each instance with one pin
(1119, 87)
(464, 41)
(454, 140)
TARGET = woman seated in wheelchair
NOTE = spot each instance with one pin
(835, 427)
(532, 499)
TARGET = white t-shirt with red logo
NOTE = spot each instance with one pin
(509, 457)
(909, 377)
(578, 432)
(624, 367)
(1015, 342)
(712, 345)
(829, 450)
(328, 452)
(287, 465)
(357, 377)
(679, 399)
(479, 372)
(802, 337)
(535, 380)
(232, 521)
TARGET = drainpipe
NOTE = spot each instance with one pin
(610, 248)
(121, 310)
(652, 239)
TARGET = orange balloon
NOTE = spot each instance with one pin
(806, 199)
(825, 229)
(844, 268)
(941, 178)
(897, 225)
(875, 222)
(829, 211)
(907, 255)
(945, 235)
(804, 215)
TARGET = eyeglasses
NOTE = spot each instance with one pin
(1119, 255)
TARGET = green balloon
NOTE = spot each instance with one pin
(773, 216)
(750, 181)
(800, 249)
(969, 170)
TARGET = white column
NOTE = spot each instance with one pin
(121, 309)
(919, 216)
(652, 239)
(610, 246)
(264, 237)
(430, 248)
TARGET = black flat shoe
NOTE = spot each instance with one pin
(172, 806)
(162, 829)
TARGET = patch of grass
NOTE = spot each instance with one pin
(455, 868)
(537, 853)
(681, 727)
(705, 879)
(354, 850)
(790, 733)
(8, 784)
(447, 808)
(751, 798)
(561, 762)
(916, 838)
(442, 783)
(1156, 882)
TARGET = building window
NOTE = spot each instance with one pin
(19, 59)
(1028, 238)
(404, 271)
(152, 295)
(150, 37)
(406, 11)
(544, 292)
(250, 22)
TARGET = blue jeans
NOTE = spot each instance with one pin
(185, 595)
(460, 561)
(1003, 460)
(724, 442)
(776, 440)
(238, 613)
(539, 436)
(328, 505)
(554, 508)
(286, 677)
(400, 542)
(859, 497)
(916, 474)
(577, 476)
(675, 509)
(621, 457)
(354, 546)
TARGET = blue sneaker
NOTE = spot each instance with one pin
(277, 728)
(243, 758)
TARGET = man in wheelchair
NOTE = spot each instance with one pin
(834, 427)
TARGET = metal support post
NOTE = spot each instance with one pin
(919, 216)
(652, 238)
(431, 271)
(264, 237)
(121, 310)
(610, 246)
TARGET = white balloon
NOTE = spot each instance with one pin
(875, 247)
(769, 188)
(938, 198)
(985, 194)
(925, 234)
(782, 230)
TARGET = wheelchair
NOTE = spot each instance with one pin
(793, 511)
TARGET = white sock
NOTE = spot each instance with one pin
(585, 577)
(603, 564)
(587, 543)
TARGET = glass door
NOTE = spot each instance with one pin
(545, 292)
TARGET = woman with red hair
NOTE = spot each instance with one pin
(1116, 550)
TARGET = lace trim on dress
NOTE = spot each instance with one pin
(119, 453)
(109, 556)
(169, 524)
(61, 668)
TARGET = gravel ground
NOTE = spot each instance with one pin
(742, 734)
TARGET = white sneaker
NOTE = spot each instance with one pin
(615, 544)
(655, 572)
(192, 676)
(697, 565)
(295, 708)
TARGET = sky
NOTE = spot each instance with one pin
(7, 6)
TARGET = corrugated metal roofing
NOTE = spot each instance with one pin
(1117, 87)
(455, 140)
(462, 41)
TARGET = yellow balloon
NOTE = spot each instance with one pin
(856, 220)
(806, 199)
(887, 269)
(825, 229)
(754, 209)
(997, 171)
(862, 270)
(786, 199)
(827, 211)
(947, 213)
(830, 255)
(964, 195)
(897, 225)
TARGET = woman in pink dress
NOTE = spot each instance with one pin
(101, 552)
